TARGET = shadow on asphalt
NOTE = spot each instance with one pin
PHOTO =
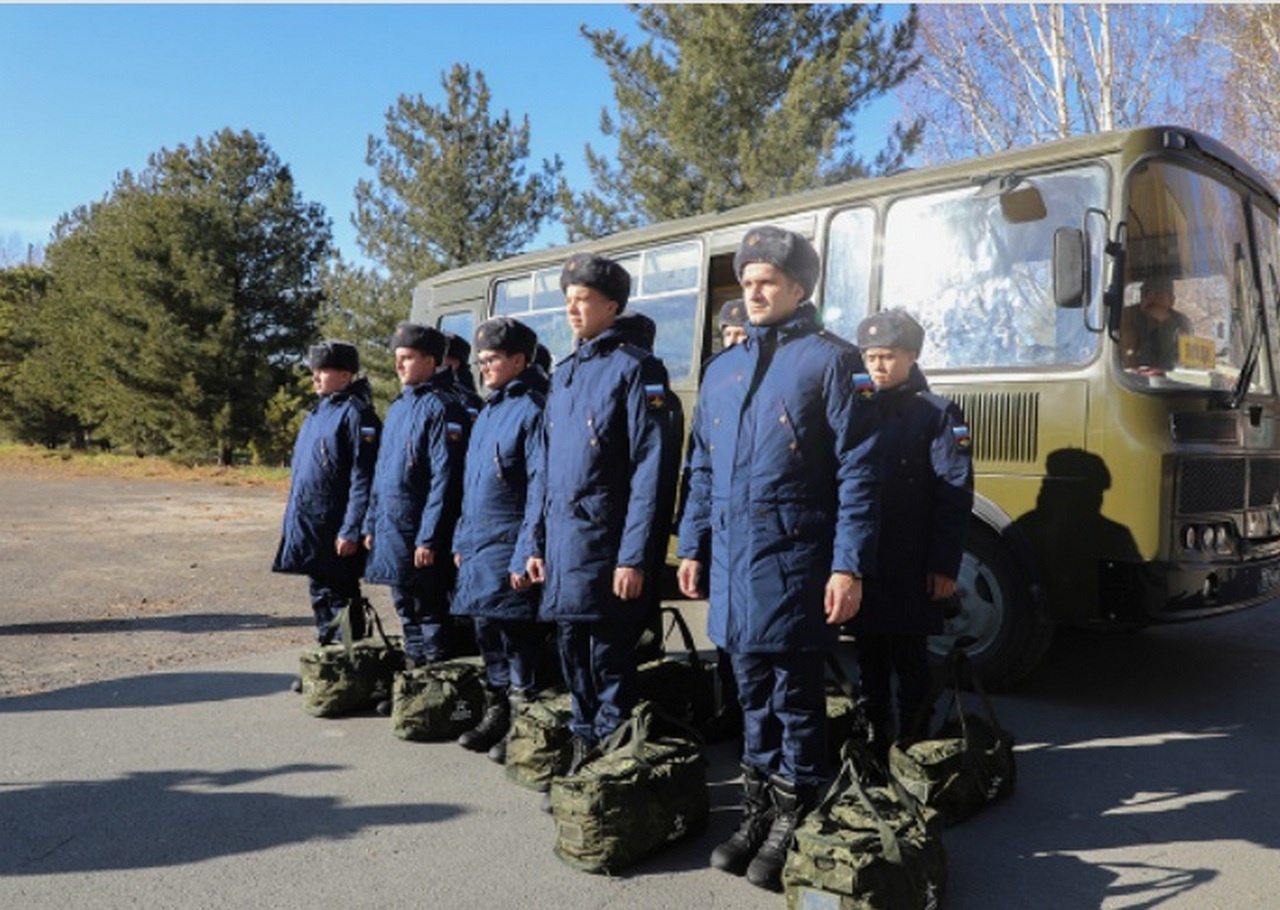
(1127, 742)
(184, 623)
(151, 690)
(173, 818)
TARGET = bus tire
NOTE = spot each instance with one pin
(997, 611)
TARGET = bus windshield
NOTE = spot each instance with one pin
(1191, 316)
(975, 267)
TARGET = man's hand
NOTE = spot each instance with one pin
(347, 547)
(423, 557)
(457, 560)
(689, 577)
(843, 598)
(940, 587)
(536, 569)
(628, 582)
(520, 582)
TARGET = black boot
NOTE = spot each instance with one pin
(790, 802)
(494, 723)
(583, 752)
(498, 751)
(733, 855)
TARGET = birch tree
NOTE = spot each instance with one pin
(1240, 105)
(997, 76)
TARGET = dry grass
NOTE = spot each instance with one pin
(39, 462)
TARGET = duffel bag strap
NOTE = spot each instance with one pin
(679, 624)
(850, 780)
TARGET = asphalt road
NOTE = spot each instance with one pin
(1146, 779)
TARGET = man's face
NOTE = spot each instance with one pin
(413, 366)
(588, 310)
(770, 294)
(732, 334)
(326, 381)
(1157, 302)
(497, 368)
(889, 367)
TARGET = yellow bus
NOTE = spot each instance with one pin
(1100, 308)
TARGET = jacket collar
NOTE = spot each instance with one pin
(606, 341)
(529, 380)
(915, 384)
(804, 321)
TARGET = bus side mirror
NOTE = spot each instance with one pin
(1070, 268)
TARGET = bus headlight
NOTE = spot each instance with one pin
(1207, 538)
(1221, 539)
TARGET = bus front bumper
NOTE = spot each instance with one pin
(1143, 593)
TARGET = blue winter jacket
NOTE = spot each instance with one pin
(500, 472)
(783, 484)
(927, 488)
(329, 481)
(602, 447)
(417, 485)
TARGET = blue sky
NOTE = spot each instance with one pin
(87, 91)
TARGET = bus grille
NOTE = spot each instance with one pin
(1227, 484)
(1004, 426)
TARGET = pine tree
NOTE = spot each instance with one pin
(180, 302)
(725, 104)
(450, 184)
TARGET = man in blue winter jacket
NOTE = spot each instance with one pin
(927, 474)
(783, 496)
(501, 474)
(593, 537)
(329, 481)
(417, 492)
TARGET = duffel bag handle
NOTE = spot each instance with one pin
(948, 677)
(850, 779)
(679, 623)
(346, 626)
(631, 738)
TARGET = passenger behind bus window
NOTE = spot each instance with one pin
(1149, 329)
(733, 323)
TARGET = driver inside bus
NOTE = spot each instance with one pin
(1149, 329)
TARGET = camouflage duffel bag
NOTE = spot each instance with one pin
(681, 683)
(866, 848)
(846, 718)
(438, 701)
(350, 676)
(963, 764)
(647, 788)
(539, 745)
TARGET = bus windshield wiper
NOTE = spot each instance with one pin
(1245, 379)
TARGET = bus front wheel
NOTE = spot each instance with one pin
(996, 610)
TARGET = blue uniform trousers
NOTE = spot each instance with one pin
(599, 663)
(424, 621)
(329, 597)
(784, 714)
(880, 657)
(512, 652)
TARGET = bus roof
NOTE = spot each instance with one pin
(1134, 143)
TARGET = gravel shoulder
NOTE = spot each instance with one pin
(104, 577)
